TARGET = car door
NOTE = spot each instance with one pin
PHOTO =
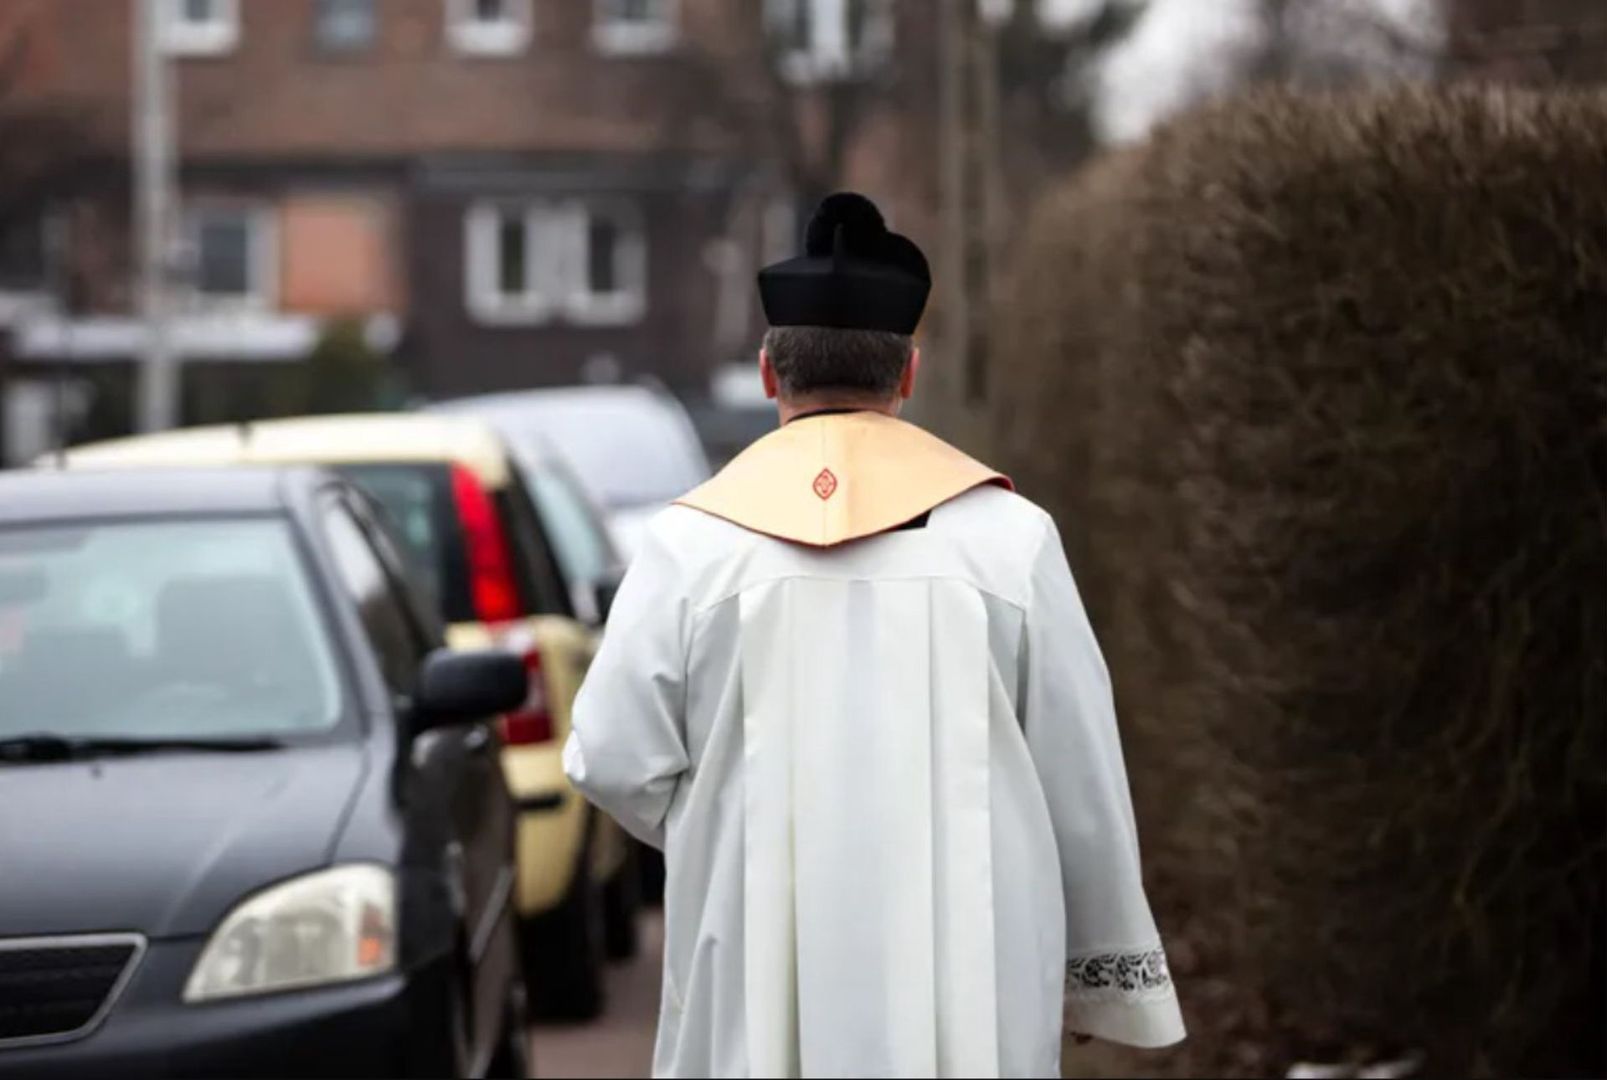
(455, 769)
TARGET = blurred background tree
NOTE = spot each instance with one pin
(45, 149)
(1536, 42)
(344, 373)
(41, 146)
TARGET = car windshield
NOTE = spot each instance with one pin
(578, 540)
(628, 454)
(161, 630)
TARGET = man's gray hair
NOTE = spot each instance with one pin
(815, 359)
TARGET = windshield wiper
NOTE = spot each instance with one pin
(31, 748)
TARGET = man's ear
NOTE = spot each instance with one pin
(767, 375)
(912, 371)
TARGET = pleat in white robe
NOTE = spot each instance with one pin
(889, 786)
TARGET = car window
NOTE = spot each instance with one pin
(417, 500)
(408, 581)
(541, 583)
(384, 614)
(201, 628)
(578, 537)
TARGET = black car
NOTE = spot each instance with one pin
(252, 819)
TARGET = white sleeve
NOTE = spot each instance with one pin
(627, 749)
(1117, 983)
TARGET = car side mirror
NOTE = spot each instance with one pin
(465, 687)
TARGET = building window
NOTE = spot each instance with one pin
(346, 25)
(34, 256)
(830, 39)
(24, 255)
(231, 257)
(511, 274)
(488, 27)
(608, 282)
(200, 27)
(514, 274)
(634, 26)
(585, 262)
(337, 253)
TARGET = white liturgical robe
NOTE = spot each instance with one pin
(885, 772)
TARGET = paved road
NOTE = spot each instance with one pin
(620, 1044)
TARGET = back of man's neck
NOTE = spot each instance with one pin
(794, 408)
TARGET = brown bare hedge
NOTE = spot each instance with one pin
(1319, 388)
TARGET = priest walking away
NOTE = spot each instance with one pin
(849, 688)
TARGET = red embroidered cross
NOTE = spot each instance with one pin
(825, 484)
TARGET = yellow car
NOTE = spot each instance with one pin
(460, 502)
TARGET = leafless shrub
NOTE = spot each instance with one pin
(1319, 385)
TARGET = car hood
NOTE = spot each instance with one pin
(163, 844)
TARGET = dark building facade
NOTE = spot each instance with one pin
(505, 193)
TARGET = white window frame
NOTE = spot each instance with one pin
(828, 57)
(262, 258)
(215, 37)
(556, 238)
(507, 37)
(628, 303)
(483, 293)
(620, 37)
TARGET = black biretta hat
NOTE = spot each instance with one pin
(853, 275)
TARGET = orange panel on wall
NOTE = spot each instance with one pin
(339, 255)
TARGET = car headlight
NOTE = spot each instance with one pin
(326, 927)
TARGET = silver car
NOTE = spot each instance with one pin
(633, 447)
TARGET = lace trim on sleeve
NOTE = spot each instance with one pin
(1131, 974)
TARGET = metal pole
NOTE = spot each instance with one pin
(153, 196)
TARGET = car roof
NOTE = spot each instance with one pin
(555, 397)
(358, 438)
(602, 431)
(554, 412)
(35, 496)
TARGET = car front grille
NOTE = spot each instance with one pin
(54, 989)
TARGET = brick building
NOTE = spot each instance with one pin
(506, 192)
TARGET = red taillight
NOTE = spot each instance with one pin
(491, 584)
(533, 723)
